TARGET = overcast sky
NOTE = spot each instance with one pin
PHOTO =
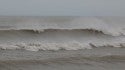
(63, 7)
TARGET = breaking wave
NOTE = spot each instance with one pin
(61, 33)
(57, 40)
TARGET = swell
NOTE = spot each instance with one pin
(53, 39)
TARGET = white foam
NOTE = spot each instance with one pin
(58, 46)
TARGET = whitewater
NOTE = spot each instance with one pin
(61, 33)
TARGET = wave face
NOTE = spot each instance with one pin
(61, 33)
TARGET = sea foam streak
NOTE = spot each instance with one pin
(55, 33)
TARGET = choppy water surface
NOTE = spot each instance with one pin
(93, 59)
(62, 43)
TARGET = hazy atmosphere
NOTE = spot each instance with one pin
(62, 7)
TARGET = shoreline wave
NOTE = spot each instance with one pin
(55, 33)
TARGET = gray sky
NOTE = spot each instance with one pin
(63, 7)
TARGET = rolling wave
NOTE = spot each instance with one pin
(61, 33)
(109, 25)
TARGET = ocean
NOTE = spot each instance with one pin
(61, 43)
